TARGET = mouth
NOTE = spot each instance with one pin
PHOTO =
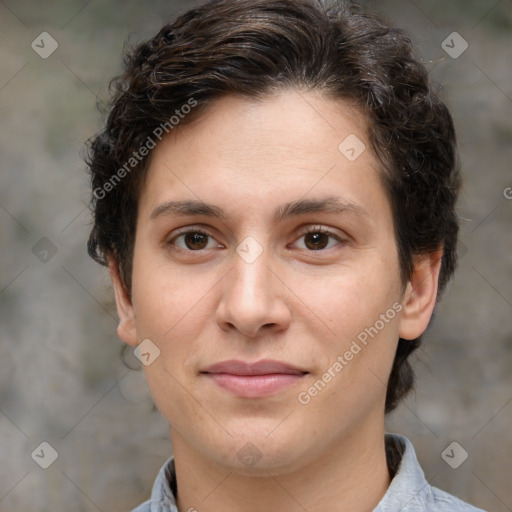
(254, 380)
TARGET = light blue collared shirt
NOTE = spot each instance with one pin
(409, 491)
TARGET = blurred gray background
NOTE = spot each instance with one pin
(63, 378)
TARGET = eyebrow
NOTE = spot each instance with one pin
(330, 204)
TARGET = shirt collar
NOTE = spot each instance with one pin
(409, 484)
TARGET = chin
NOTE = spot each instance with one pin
(260, 455)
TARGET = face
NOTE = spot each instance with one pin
(266, 274)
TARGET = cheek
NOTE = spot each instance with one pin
(351, 297)
(169, 310)
(165, 297)
(359, 305)
(172, 308)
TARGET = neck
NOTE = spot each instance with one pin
(353, 475)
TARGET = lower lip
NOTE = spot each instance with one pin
(254, 386)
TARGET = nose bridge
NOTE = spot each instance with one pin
(249, 299)
(251, 276)
(251, 282)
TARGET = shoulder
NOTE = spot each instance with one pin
(163, 492)
(447, 502)
(409, 490)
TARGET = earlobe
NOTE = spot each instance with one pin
(126, 327)
(420, 296)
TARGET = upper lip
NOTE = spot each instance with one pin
(264, 367)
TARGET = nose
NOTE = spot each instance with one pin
(253, 300)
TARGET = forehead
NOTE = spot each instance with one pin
(247, 151)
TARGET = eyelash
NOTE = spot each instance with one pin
(315, 229)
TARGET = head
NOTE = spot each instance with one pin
(247, 105)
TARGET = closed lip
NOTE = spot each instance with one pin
(263, 367)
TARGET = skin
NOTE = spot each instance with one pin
(293, 303)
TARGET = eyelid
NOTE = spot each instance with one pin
(323, 229)
(191, 229)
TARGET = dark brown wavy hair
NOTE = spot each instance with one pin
(255, 48)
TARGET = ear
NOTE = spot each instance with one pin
(126, 327)
(420, 295)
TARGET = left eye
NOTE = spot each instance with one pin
(318, 239)
(195, 241)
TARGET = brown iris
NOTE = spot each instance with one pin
(195, 240)
(316, 241)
